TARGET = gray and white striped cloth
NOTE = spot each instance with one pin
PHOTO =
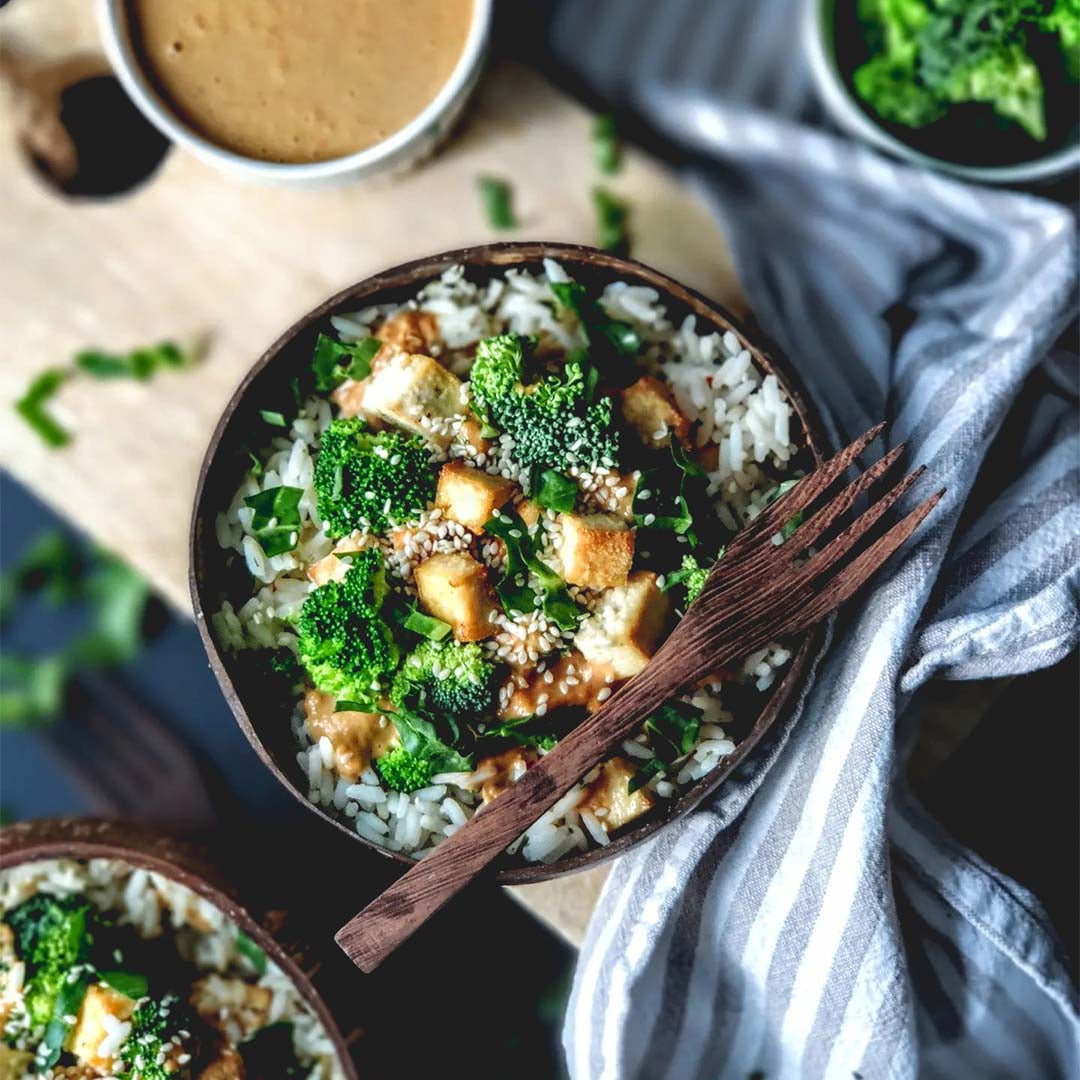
(813, 920)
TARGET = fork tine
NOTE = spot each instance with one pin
(841, 544)
(822, 519)
(860, 569)
(806, 491)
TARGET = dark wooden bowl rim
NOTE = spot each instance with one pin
(501, 256)
(148, 849)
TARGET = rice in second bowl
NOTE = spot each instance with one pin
(521, 536)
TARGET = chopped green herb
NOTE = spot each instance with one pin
(612, 214)
(607, 149)
(498, 199)
(251, 952)
(652, 767)
(274, 418)
(598, 327)
(276, 522)
(348, 706)
(32, 689)
(514, 590)
(555, 491)
(335, 361)
(31, 407)
(126, 983)
(522, 732)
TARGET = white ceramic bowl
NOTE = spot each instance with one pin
(403, 148)
(818, 44)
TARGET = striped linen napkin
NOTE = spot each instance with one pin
(813, 921)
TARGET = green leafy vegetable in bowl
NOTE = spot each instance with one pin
(925, 59)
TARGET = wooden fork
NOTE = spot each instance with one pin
(762, 589)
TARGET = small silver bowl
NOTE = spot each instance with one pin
(405, 147)
(819, 45)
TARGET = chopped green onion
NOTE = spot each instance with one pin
(652, 767)
(137, 364)
(498, 198)
(622, 337)
(126, 983)
(606, 147)
(426, 625)
(349, 706)
(251, 952)
(275, 418)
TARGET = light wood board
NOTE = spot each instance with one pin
(195, 253)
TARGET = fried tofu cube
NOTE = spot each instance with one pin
(91, 1025)
(235, 1008)
(471, 496)
(596, 549)
(609, 799)
(469, 435)
(227, 1065)
(453, 587)
(618, 498)
(649, 408)
(627, 625)
(409, 332)
(416, 393)
(529, 512)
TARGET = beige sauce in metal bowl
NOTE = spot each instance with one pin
(299, 80)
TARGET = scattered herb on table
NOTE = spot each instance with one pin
(34, 687)
(607, 150)
(498, 198)
(139, 364)
(612, 215)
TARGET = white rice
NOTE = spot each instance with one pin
(716, 385)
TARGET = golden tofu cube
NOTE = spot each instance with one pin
(529, 512)
(471, 496)
(627, 625)
(453, 587)
(416, 393)
(609, 799)
(649, 408)
(596, 550)
(469, 435)
(409, 332)
(90, 1029)
(246, 1009)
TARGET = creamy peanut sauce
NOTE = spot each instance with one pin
(356, 737)
(574, 681)
(292, 81)
(497, 773)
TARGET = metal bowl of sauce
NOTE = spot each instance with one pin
(302, 94)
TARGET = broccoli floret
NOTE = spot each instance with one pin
(154, 1025)
(345, 644)
(403, 771)
(554, 422)
(51, 937)
(445, 678)
(692, 574)
(498, 369)
(373, 480)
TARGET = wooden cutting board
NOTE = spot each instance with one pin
(192, 253)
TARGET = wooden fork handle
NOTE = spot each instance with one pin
(391, 918)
